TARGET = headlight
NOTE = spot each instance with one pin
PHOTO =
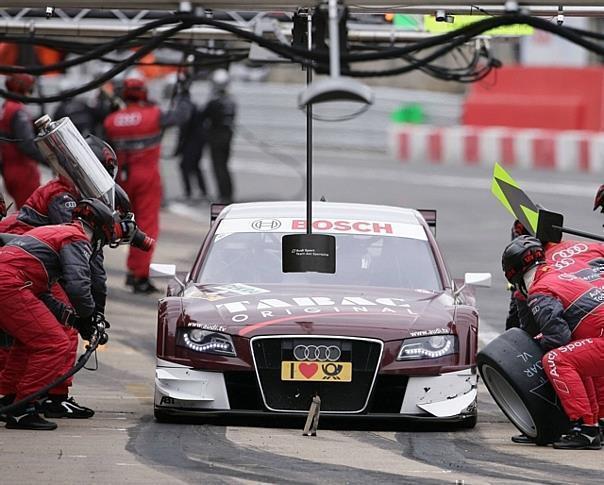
(207, 341)
(427, 347)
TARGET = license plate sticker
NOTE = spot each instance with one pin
(316, 371)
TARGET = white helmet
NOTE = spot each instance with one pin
(220, 78)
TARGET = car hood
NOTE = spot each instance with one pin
(383, 313)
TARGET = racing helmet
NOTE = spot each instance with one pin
(519, 256)
(104, 153)
(20, 83)
(96, 215)
(599, 200)
(220, 79)
(134, 89)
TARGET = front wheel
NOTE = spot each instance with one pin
(510, 367)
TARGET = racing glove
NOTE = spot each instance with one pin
(85, 326)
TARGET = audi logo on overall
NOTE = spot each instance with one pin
(564, 257)
(322, 353)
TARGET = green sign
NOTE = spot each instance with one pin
(434, 27)
(514, 199)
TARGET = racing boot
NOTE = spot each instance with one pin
(28, 418)
(523, 439)
(129, 279)
(580, 437)
(144, 286)
(5, 401)
(61, 406)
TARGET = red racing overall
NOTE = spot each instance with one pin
(28, 266)
(20, 171)
(51, 204)
(135, 134)
(570, 313)
(586, 261)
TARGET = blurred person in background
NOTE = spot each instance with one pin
(219, 114)
(77, 109)
(191, 141)
(20, 158)
(135, 132)
(106, 102)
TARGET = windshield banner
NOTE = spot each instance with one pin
(324, 226)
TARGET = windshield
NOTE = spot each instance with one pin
(361, 260)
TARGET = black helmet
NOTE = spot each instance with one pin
(98, 217)
(520, 255)
(104, 153)
(122, 201)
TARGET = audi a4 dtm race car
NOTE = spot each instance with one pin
(388, 334)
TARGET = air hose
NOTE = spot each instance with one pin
(99, 337)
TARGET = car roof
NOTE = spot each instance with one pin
(329, 210)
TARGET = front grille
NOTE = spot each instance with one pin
(388, 394)
(346, 397)
(243, 392)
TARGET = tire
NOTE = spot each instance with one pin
(510, 367)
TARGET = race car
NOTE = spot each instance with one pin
(389, 334)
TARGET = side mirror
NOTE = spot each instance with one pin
(162, 270)
(482, 280)
(168, 271)
(474, 279)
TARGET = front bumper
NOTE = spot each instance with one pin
(182, 391)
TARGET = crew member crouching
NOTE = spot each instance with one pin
(569, 315)
(50, 204)
(29, 265)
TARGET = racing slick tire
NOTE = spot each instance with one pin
(510, 367)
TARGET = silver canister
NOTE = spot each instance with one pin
(69, 155)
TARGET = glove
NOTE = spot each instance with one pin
(85, 326)
(128, 227)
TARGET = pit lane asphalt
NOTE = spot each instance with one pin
(123, 444)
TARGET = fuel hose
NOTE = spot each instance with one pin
(98, 338)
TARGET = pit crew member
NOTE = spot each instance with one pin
(569, 314)
(135, 131)
(28, 266)
(20, 158)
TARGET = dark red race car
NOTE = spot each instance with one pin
(386, 335)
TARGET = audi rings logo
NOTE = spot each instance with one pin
(321, 353)
(570, 251)
(564, 258)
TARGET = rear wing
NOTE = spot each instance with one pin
(429, 216)
(215, 210)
